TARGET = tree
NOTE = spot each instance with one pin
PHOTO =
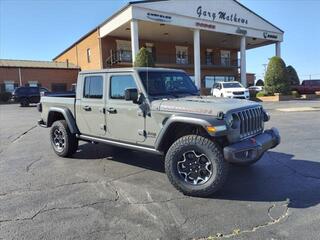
(292, 76)
(260, 83)
(276, 80)
(144, 59)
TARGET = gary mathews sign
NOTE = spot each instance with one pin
(221, 15)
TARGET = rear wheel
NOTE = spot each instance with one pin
(24, 102)
(195, 166)
(63, 142)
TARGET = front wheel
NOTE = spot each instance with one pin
(195, 166)
(63, 142)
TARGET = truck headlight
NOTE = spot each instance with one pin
(233, 121)
(266, 116)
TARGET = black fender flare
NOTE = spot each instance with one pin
(68, 116)
(203, 121)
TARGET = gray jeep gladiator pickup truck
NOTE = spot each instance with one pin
(160, 111)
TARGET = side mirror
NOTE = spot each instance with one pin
(131, 94)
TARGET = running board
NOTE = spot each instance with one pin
(119, 144)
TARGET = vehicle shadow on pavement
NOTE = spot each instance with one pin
(275, 178)
(126, 156)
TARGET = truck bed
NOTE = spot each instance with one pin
(64, 101)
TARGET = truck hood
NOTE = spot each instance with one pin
(207, 105)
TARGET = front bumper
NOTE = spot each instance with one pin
(252, 149)
(244, 96)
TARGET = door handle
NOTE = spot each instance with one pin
(87, 108)
(112, 110)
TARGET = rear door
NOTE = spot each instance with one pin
(90, 105)
(125, 120)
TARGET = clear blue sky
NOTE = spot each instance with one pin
(40, 29)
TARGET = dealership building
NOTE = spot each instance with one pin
(206, 38)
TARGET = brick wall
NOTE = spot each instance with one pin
(45, 77)
(78, 53)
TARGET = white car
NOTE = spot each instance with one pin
(230, 90)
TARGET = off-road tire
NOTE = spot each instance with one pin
(70, 140)
(201, 145)
(24, 102)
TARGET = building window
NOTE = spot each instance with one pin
(182, 55)
(93, 87)
(89, 55)
(124, 52)
(209, 81)
(9, 86)
(33, 84)
(118, 85)
(209, 57)
(59, 87)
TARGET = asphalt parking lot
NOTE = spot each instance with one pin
(112, 193)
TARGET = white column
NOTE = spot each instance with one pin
(243, 62)
(20, 78)
(134, 39)
(197, 57)
(278, 49)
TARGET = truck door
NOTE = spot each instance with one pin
(90, 105)
(125, 120)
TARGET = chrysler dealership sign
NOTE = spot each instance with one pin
(221, 15)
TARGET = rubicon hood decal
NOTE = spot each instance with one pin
(203, 105)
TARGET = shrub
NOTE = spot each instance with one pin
(5, 96)
(261, 94)
(292, 76)
(295, 94)
(276, 80)
(144, 59)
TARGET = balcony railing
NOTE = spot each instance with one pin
(125, 57)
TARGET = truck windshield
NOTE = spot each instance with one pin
(232, 85)
(166, 83)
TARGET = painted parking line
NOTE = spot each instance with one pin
(298, 109)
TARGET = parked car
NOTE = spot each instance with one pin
(230, 90)
(308, 87)
(160, 111)
(27, 95)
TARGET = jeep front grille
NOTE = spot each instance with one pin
(251, 122)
